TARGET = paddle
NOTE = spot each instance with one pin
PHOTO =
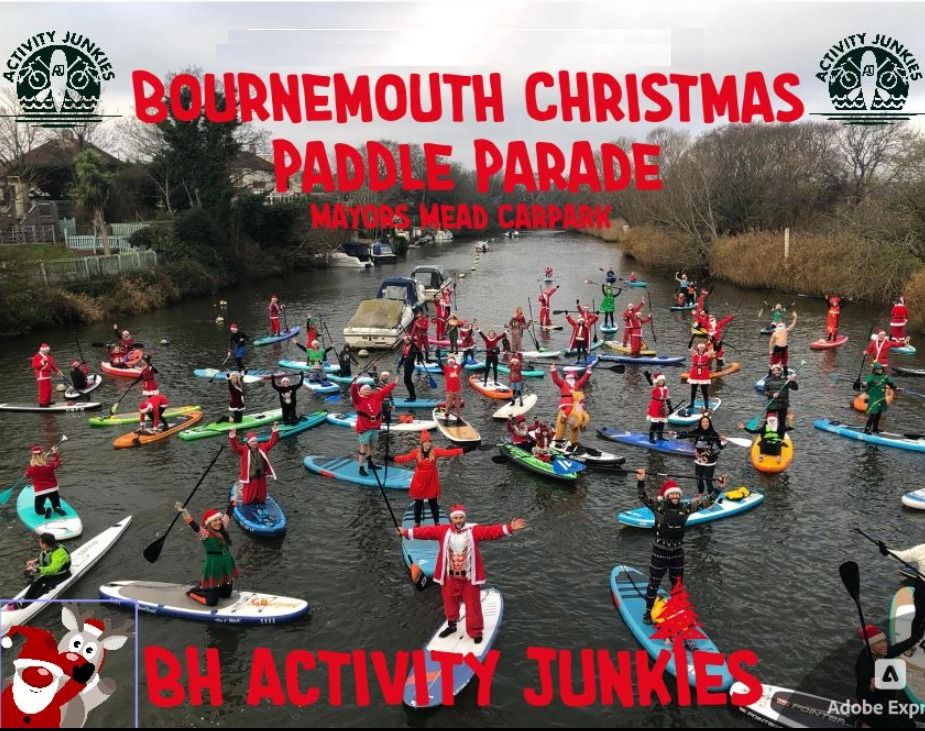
(219, 368)
(857, 381)
(134, 346)
(786, 385)
(532, 330)
(418, 577)
(616, 368)
(80, 349)
(651, 318)
(115, 406)
(851, 578)
(285, 319)
(8, 492)
(898, 389)
(890, 553)
(153, 551)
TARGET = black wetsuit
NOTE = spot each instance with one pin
(287, 398)
(781, 404)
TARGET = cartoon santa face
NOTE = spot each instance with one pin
(35, 684)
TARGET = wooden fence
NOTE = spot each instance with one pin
(83, 268)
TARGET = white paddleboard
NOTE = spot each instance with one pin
(914, 499)
(790, 708)
(507, 411)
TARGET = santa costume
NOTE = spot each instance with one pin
(899, 316)
(659, 408)
(255, 466)
(44, 367)
(273, 310)
(831, 318)
(545, 300)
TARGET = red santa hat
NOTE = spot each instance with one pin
(520, 418)
(425, 436)
(37, 449)
(458, 509)
(233, 326)
(669, 487)
(658, 377)
(209, 515)
(44, 346)
(40, 650)
(251, 436)
(95, 627)
(272, 296)
(872, 634)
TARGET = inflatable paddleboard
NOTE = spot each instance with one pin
(421, 553)
(347, 470)
(637, 283)
(607, 330)
(906, 371)
(349, 419)
(139, 439)
(536, 354)
(582, 365)
(914, 499)
(663, 360)
(627, 589)
(508, 410)
(241, 608)
(588, 456)
(788, 708)
(265, 519)
(913, 442)
(460, 643)
(301, 365)
(490, 388)
(905, 350)
(823, 344)
(93, 382)
(284, 335)
(61, 527)
(525, 372)
(642, 517)
(218, 376)
(682, 308)
(58, 407)
(435, 369)
(347, 380)
(218, 428)
(455, 429)
(306, 422)
(83, 559)
(683, 417)
(419, 403)
(766, 463)
(561, 469)
(641, 439)
(118, 419)
(324, 386)
(595, 344)
(625, 350)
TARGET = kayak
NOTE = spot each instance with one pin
(55, 407)
(253, 376)
(582, 365)
(420, 403)
(905, 350)
(83, 559)
(906, 371)
(759, 384)
(265, 519)
(625, 350)
(859, 402)
(284, 335)
(682, 416)
(788, 708)
(301, 365)
(170, 600)
(509, 410)
(324, 386)
(460, 644)
(455, 429)
(223, 426)
(823, 344)
(136, 439)
(913, 442)
(61, 527)
(349, 419)
(563, 470)
(348, 470)
(589, 456)
(306, 422)
(534, 354)
(99, 421)
(637, 283)
(724, 508)
(93, 383)
(347, 380)
(120, 372)
(421, 553)
(627, 589)
(491, 389)
(764, 463)
(728, 370)
(914, 499)
(595, 344)
(645, 359)
(641, 439)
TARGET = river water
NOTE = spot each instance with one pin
(766, 581)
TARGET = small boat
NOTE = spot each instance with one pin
(379, 323)
(481, 247)
(434, 279)
(443, 237)
(341, 258)
(382, 252)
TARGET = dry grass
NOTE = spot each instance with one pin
(914, 290)
(656, 248)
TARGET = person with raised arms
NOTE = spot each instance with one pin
(254, 465)
(368, 404)
(425, 484)
(777, 343)
(218, 569)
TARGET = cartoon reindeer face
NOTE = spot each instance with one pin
(88, 637)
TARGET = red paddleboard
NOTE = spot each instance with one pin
(828, 344)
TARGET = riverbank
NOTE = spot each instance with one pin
(817, 264)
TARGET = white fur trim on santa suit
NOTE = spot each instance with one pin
(23, 663)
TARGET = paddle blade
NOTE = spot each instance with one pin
(112, 409)
(418, 577)
(499, 459)
(739, 441)
(153, 551)
(6, 495)
(851, 578)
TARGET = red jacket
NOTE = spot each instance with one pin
(515, 366)
(631, 317)
(273, 309)
(244, 451)
(425, 484)
(899, 315)
(419, 329)
(452, 378)
(565, 389)
(43, 478)
(44, 366)
(152, 405)
(369, 408)
(147, 375)
(700, 366)
(658, 402)
(879, 352)
(476, 533)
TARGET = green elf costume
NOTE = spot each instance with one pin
(876, 385)
(218, 567)
(608, 304)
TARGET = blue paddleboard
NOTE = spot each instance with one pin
(422, 553)
(642, 517)
(284, 335)
(265, 519)
(641, 439)
(915, 443)
(347, 470)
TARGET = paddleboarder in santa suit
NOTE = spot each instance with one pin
(899, 317)
(831, 319)
(218, 568)
(42, 474)
(670, 523)
(273, 310)
(659, 408)
(255, 464)
(44, 366)
(368, 405)
(460, 570)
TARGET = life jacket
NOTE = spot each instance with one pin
(740, 493)
(45, 559)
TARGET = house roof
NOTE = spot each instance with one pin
(60, 152)
(246, 160)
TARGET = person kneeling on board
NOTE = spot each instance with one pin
(460, 570)
(45, 572)
(153, 408)
(287, 396)
(80, 375)
(425, 484)
(670, 522)
(520, 432)
(41, 472)
(771, 437)
(218, 566)
(255, 464)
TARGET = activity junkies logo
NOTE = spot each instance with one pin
(868, 78)
(58, 78)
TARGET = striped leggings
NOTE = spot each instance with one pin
(663, 559)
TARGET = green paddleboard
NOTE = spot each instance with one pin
(217, 428)
(132, 418)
